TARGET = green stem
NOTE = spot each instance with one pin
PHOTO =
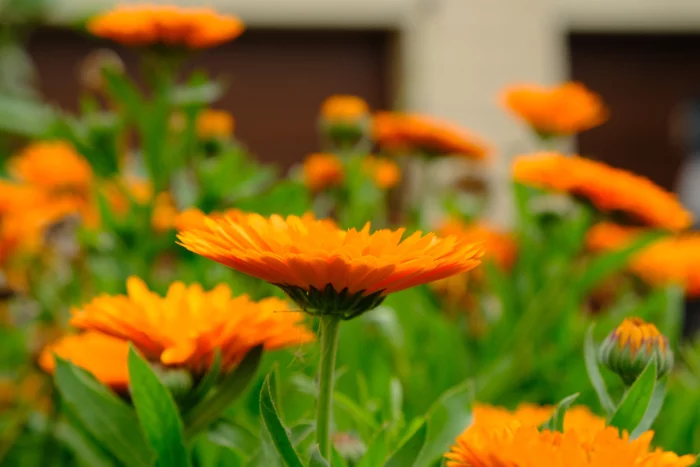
(329, 347)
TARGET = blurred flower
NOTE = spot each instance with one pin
(611, 190)
(31, 390)
(385, 173)
(349, 447)
(345, 109)
(94, 66)
(562, 110)
(215, 124)
(413, 133)
(628, 349)
(187, 326)
(193, 218)
(325, 269)
(578, 418)
(102, 355)
(671, 260)
(164, 213)
(121, 192)
(147, 24)
(499, 247)
(322, 171)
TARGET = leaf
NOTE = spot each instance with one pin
(278, 433)
(653, 409)
(671, 324)
(105, 417)
(84, 448)
(200, 94)
(316, 459)
(556, 421)
(157, 412)
(285, 198)
(635, 403)
(206, 384)
(124, 92)
(232, 386)
(233, 437)
(446, 419)
(376, 452)
(25, 117)
(336, 459)
(410, 450)
(591, 357)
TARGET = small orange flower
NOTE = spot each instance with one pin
(322, 171)
(102, 355)
(188, 325)
(397, 132)
(193, 218)
(671, 260)
(563, 110)
(145, 25)
(325, 269)
(164, 213)
(344, 109)
(609, 189)
(498, 246)
(215, 124)
(578, 418)
(385, 173)
(121, 192)
(54, 166)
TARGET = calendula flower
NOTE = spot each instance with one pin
(578, 418)
(610, 190)
(498, 246)
(54, 166)
(168, 25)
(215, 124)
(322, 171)
(397, 132)
(327, 270)
(164, 212)
(562, 110)
(344, 109)
(385, 173)
(631, 346)
(102, 355)
(670, 260)
(187, 326)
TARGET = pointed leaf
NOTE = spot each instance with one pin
(634, 404)
(157, 412)
(376, 452)
(205, 384)
(316, 459)
(591, 357)
(410, 450)
(556, 421)
(653, 410)
(278, 433)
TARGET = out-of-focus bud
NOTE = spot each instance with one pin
(630, 347)
(349, 447)
(344, 121)
(323, 171)
(92, 69)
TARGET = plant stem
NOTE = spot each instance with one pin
(329, 346)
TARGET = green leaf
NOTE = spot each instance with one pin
(635, 403)
(157, 412)
(284, 198)
(446, 419)
(410, 450)
(231, 436)
(376, 452)
(591, 357)
(24, 117)
(105, 417)
(336, 459)
(653, 409)
(556, 421)
(124, 92)
(232, 386)
(200, 94)
(278, 433)
(206, 384)
(316, 459)
(671, 324)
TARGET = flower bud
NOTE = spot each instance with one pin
(344, 121)
(630, 347)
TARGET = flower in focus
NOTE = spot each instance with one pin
(187, 326)
(610, 190)
(628, 349)
(327, 270)
(385, 173)
(578, 418)
(670, 260)
(322, 171)
(215, 124)
(562, 110)
(169, 25)
(102, 355)
(413, 133)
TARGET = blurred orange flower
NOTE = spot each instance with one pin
(147, 24)
(322, 171)
(609, 189)
(213, 124)
(397, 132)
(193, 218)
(102, 355)
(164, 212)
(671, 260)
(187, 326)
(315, 263)
(344, 109)
(385, 173)
(562, 110)
(498, 246)
(120, 193)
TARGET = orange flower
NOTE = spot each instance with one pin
(608, 189)
(396, 132)
(164, 213)
(500, 438)
(144, 25)
(498, 246)
(320, 266)
(188, 325)
(563, 110)
(322, 171)
(54, 166)
(671, 260)
(121, 192)
(213, 124)
(103, 356)
(385, 173)
(344, 109)
(193, 218)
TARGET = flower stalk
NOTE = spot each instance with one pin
(329, 347)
